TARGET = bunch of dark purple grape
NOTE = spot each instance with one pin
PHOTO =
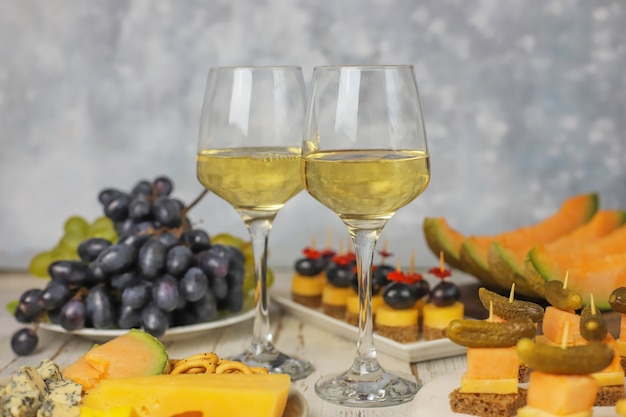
(160, 273)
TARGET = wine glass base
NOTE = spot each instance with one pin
(376, 389)
(276, 363)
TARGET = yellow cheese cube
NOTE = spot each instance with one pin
(529, 411)
(336, 296)
(215, 395)
(387, 316)
(606, 379)
(439, 317)
(308, 286)
(488, 386)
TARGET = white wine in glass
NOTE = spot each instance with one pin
(249, 154)
(364, 156)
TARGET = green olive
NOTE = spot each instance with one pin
(480, 333)
(574, 360)
(503, 307)
(563, 298)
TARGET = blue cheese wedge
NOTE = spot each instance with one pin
(21, 404)
(40, 392)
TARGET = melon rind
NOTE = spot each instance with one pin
(440, 237)
(474, 253)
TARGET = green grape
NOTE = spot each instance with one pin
(110, 235)
(248, 252)
(39, 264)
(227, 239)
(71, 240)
(12, 305)
(76, 224)
(248, 280)
(101, 223)
(61, 252)
(270, 277)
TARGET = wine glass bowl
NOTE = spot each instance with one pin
(364, 156)
(249, 154)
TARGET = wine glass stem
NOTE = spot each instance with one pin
(365, 244)
(262, 334)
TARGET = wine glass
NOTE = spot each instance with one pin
(249, 153)
(364, 156)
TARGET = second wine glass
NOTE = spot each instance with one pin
(249, 153)
(364, 156)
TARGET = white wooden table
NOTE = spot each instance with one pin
(328, 353)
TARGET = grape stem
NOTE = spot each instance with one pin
(194, 202)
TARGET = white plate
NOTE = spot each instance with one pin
(296, 403)
(432, 399)
(178, 332)
(421, 350)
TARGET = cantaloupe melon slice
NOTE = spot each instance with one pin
(594, 258)
(440, 237)
(507, 264)
(135, 353)
(599, 276)
(559, 395)
(574, 212)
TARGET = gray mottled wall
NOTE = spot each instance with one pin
(524, 104)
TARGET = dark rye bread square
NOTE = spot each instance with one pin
(311, 301)
(338, 312)
(402, 334)
(609, 395)
(487, 405)
(432, 333)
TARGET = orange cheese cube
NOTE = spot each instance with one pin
(492, 363)
(214, 395)
(554, 322)
(561, 394)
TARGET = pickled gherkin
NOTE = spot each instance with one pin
(480, 333)
(592, 325)
(510, 309)
(561, 297)
(617, 300)
(573, 360)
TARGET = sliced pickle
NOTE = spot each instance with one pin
(574, 360)
(479, 333)
(592, 326)
(617, 300)
(507, 309)
(562, 298)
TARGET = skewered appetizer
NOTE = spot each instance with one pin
(504, 309)
(610, 380)
(617, 301)
(561, 383)
(378, 281)
(489, 387)
(398, 317)
(561, 313)
(310, 276)
(443, 306)
(340, 276)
